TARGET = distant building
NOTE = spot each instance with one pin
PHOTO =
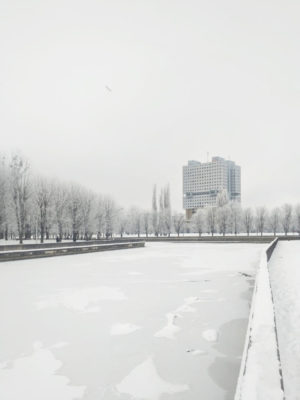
(203, 181)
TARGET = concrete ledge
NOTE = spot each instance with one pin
(222, 239)
(213, 239)
(205, 239)
(260, 373)
(13, 255)
(66, 244)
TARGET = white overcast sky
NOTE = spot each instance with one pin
(187, 78)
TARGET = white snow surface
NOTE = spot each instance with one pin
(123, 329)
(170, 329)
(260, 369)
(35, 377)
(81, 299)
(144, 382)
(285, 278)
(72, 305)
(211, 335)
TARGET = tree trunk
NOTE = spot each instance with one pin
(60, 232)
(42, 233)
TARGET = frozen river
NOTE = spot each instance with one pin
(163, 322)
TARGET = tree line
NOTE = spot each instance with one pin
(35, 207)
(228, 217)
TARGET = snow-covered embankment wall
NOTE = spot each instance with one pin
(68, 249)
(260, 374)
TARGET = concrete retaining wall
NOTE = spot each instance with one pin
(24, 254)
(260, 375)
(45, 245)
(221, 239)
(206, 239)
(213, 239)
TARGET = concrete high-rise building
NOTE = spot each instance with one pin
(202, 182)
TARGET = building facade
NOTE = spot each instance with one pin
(202, 182)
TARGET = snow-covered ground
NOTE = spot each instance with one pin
(260, 372)
(284, 270)
(167, 321)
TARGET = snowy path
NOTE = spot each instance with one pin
(284, 270)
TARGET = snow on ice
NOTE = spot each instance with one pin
(87, 311)
(144, 382)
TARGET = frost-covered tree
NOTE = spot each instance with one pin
(74, 210)
(20, 191)
(198, 221)
(122, 222)
(235, 216)
(222, 198)
(297, 218)
(286, 217)
(60, 198)
(261, 217)
(167, 214)
(100, 216)
(223, 215)
(110, 212)
(161, 217)
(43, 197)
(146, 220)
(4, 199)
(274, 220)
(135, 221)
(87, 203)
(211, 219)
(178, 222)
(154, 213)
(248, 220)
